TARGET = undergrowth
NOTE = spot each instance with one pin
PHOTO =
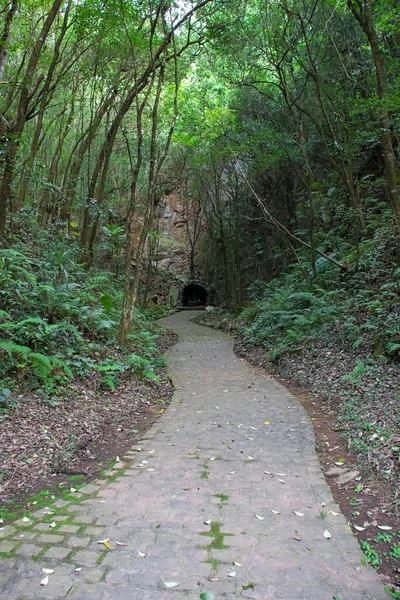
(59, 321)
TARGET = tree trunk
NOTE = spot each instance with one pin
(15, 131)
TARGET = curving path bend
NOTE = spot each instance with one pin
(189, 501)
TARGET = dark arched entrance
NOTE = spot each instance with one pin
(194, 294)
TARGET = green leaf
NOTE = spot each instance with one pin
(207, 596)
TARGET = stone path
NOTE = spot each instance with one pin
(209, 497)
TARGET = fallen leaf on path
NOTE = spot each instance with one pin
(52, 525)
(251, 458)
(25, 520)
(331, 512)
(187, 489)
(107, 545)
(208, 522)
(171, 584)
(47, 571)
(267, 423)
(280, 474)
(327, 534)
(45, 580)
(281, 480)
(384, 527)
(102, 501)
(212, 458)
(209, 597)
(141, 554)
(120, 544)
(260, 518)
(232, 473)
(275, 512)
(103, 541)
(117, 459)
(254, 428)
(298, 539)
(73, 490)
(237, 564)
(359, 528)
(151, 451)
(298, 514)
(232, 574)
(78, 569)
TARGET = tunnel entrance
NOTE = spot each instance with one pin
(194, 294)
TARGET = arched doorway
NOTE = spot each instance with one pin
(194, 294)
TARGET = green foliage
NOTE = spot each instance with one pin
(371, 555)
(359, 307)
(57, 321)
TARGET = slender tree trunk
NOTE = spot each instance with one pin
(5, 37)
(363, 12)
(14, 134)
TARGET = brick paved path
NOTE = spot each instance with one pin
(188, 501)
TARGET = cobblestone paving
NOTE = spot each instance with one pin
(206, 501)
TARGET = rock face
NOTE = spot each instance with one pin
(171, 275)
(173, 243)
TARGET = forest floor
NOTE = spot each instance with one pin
(318, 378)
(48, 448)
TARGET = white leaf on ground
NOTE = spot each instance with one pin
(25, 520)
(260, 518)
(281, 480)
(359, 528)
(275, 512)
(384, 527)
(237, 564)
(73, 490)
(254, 428)
(171, 584)
(141, 554)
(232, 473)
(226, 390)
(121, 544)
(323, 504)
(151, 451)
(232, 574)
(298, 514)
(103, 541)
(45, 580)
(280, 474)
(267, 472)
(251, 458)
(117, 459)
(339, 464)
(251, 439)
(208, 522)
(78, 569)
(52, 525)
(102, 501)
(331, 512)
(47, 571)
(327, 534)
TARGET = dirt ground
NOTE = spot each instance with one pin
(45, 446)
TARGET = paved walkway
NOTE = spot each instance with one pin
(224, 495)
